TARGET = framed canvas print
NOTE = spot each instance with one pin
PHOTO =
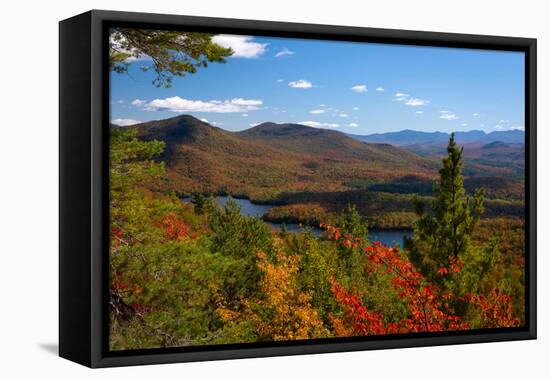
(233, 188)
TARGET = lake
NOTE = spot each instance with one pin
(389, 237)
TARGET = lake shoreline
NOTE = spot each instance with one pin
(396, 229)
(249, 208)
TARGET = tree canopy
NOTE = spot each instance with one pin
(442, 247)
(195, 273)
(168, 53)
(443, 231)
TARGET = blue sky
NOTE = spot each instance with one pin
(357, 88)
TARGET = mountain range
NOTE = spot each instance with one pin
(271, 158)
(412, 137)
(266, 161)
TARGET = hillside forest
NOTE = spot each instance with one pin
(187, 271)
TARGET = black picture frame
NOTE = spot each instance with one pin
(83, 181)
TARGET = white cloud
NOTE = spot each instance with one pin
(504, 121)
(177, 104)
(380, 89)
(448, 116)
(137, 102)
(419, 112)
(501, 127)
(401, 96)
(242, 46)
(213, 123)
(125, 121)
(353, 124)
(343, 115)
(416, 102)
(355, 108)
(464, 125)
(322, 105)
(408, 100)
(280, 80)
(360, 88)
(301, 84)
(475, 114)
(320, 125)
(244, 115)
(284, 52)
(254, 124)
(317, 111)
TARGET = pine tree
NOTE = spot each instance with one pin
(199, 201)
(172, 53)
(443, 233)
(351, 222)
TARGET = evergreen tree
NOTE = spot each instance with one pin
(441, 247)
(199, 201)
(283, 231)
(172, 53)
(131, 162)
(240, 238)
(351, 222)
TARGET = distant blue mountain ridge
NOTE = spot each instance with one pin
(413, 137)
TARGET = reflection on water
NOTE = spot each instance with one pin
(389, 237)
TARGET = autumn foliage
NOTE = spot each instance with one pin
(201, 274)
(428, 306)
(282, 311)
(496, 309)
(174, 228)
